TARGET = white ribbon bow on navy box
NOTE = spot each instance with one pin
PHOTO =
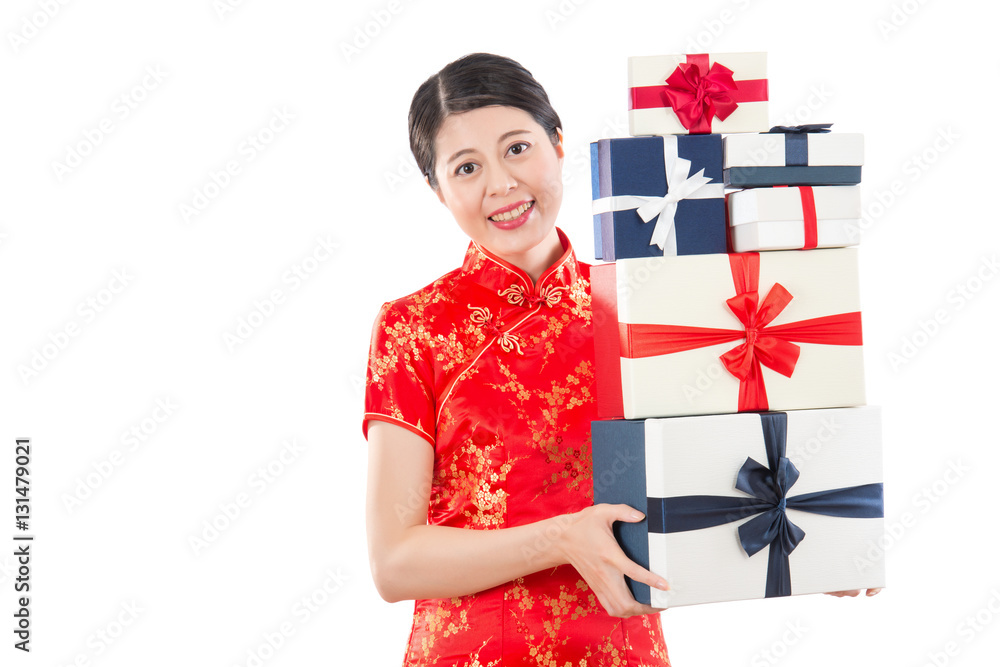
(681, 184)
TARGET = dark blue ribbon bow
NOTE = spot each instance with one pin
(800, 129)
(797, 141)
(768, 490)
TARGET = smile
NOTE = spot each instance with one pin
(513, 213)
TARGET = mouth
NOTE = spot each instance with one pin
(513, 212)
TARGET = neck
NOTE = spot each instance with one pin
(535, 261)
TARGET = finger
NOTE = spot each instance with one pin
(841, 594)
(626, 605)
(646, 609)
(637, 572)
(620, 600)
(873, 591)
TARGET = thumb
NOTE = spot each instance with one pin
(629, 513)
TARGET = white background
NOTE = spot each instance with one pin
(907, 74)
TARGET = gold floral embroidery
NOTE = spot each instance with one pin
(445, 617)
(607, 654)
(474, 659)
(569, 604)
(580, 298)
(475, 481)
(658, 649)
(402, 341)
(512, 386)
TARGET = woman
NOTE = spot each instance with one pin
(480, 395)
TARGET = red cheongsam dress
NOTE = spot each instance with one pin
(497, 375)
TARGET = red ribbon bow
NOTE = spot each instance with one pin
(760, 346)
(764, 344)
(696, 97)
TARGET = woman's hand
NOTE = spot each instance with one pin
(854, 593)
(588, 544)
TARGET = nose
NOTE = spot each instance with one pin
(501, 181)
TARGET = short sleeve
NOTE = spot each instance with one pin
(399, 387)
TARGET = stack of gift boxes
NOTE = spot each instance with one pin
(727, 329)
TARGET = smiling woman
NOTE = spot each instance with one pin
(504, 192)
(479, 398)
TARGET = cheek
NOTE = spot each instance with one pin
(549, 180)
(460, 199)
(557, 182)
(472, 202)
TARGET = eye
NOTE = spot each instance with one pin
(465, 169)
(519, 148)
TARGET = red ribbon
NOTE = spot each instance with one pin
(771, 346)
(808, 215)
(697, 93)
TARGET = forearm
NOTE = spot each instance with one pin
(442, 561)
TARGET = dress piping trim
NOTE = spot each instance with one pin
(525, 278)
(505, 265)
(398, 422)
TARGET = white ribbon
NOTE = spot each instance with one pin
(680, 185)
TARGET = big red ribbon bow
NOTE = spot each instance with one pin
(760, 347)
(771, 346)
(697, 96)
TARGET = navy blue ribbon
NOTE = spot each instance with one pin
(767, 488)
(797, 141)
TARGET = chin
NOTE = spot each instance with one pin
(519, 240)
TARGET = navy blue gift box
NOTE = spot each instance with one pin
(631, 175)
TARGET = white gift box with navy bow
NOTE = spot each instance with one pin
(748, 505)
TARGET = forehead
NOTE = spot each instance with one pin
(481, 128)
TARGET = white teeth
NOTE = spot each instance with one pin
(510, 215)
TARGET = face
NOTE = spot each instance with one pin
(501, 177)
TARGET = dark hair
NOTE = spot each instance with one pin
(473, 81)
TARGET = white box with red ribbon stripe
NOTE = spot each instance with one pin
(802, 217)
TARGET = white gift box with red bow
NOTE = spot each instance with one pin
(725, 333)
(697, 93)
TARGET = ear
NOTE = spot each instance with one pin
(560, 151)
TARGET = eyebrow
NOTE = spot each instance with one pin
(503, 138)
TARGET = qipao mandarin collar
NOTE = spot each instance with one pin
(500, 276)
